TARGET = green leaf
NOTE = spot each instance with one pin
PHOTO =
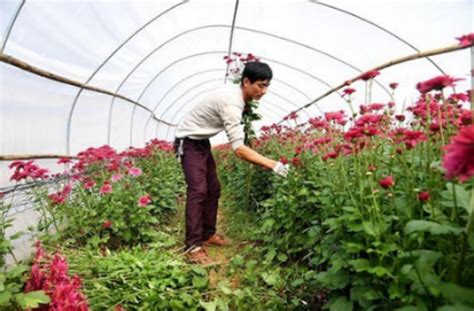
(341, 304)
(224, 288)
(456, 293)
(282, 257)
(297, 282)
(360, 264)
(455, 307)
(17, 271)
(32, 299)
(380, 271)
(208, 306)
(5, 298)
(462, 197)
(199, 270)
(200, 282)
(432, 227)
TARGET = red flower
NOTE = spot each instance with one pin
(283, 160)
(424, 196)
(437, 83)
(369, 75)
(376, 107)
(387, 182)
(400, 117)
(296, 161)
(459, 158)
(348, 91)
(143, 201)
(466, 40)
(393, 85)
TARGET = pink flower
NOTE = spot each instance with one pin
(143, 201)
(334, 116)
(393, 85)
(135, 171)
(89, 184)
(466, 40)
(116, 177)
(459, 158)
(64, 160)
(387, 182)
(437, 83)
(424, 196)
(376, 107)
(106, 188)
(369, 75)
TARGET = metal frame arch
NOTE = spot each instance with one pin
(217, 52)
(232, 28)
(11, 25)
(365, 20)
(215, 70)
(71, 113)
(208, 81)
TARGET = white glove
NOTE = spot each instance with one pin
(281, 169)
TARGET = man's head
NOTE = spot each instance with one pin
(256, 78)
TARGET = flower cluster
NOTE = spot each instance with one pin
(24, 170)
(51, 276)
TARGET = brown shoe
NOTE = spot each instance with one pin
(199, 256)
(216, 240)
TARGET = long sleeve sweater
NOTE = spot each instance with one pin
(221, 110)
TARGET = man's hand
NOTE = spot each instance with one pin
(281, 169)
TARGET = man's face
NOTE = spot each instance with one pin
(255, 90)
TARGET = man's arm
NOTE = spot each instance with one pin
(254, 157)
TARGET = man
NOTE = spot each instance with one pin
(220, 111)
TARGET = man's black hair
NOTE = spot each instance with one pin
(255, 71)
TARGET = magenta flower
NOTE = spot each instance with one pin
(387, 182)
(106, 188)
(116, 177)
(348, 91)
(466, 40)
(135, 171)
(437, 83)
(107, 224)
(143, 201)
(459, 158)
(369, 75)
(64, 160)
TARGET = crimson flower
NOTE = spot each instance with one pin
(436, 83)
(424, 196)
(143, 201)
(400, 117)
(348, 91)
(369, 75)
(387, 182)
(283, 160)
(466, 40)
(459, 158)
(393, 85)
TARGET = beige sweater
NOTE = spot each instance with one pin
(221, 110)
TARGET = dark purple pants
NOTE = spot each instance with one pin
(203, 190)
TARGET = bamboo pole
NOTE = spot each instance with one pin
(9, 157)
(390, 63)
(8, 59)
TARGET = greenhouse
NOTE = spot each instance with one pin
(237, 155)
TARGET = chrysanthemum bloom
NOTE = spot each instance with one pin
(135, 171)
(106, 188)
(64, 160)
(424, 196)
(459, 158)
(466, 40)
(369, 75)
(387, 182)
(400, 117)
(393, 85)
(116, 177)
(437, 83)
(348, 91)
(143, 201)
